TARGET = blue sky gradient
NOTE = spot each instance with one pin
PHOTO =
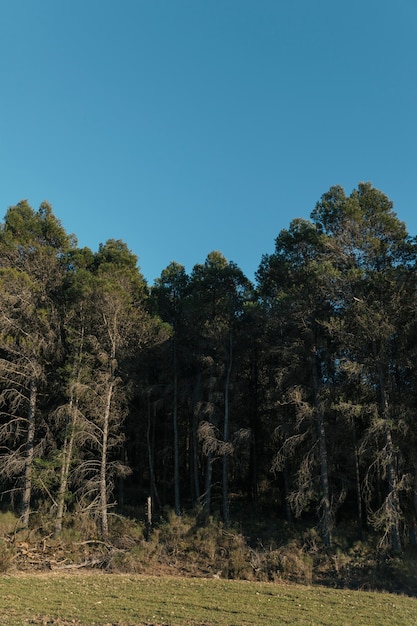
(185, 126)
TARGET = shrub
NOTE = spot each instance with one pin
(6, 555)
(8, 522)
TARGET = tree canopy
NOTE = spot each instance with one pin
(295, 395)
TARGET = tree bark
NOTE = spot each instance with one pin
(153, 487)
(324, 476)
(195, 479)
(176, 439)
(29, 453)
(68, 446)
(103, 465)
(208, 484)
(226, 437)
(65, 468)
(392, 500)
(359, 512)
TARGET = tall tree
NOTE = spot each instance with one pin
(169, 293)
(296, 286)
(218, 292)
(73, 425)
(373, 249)
(119, 328)
(34, 252)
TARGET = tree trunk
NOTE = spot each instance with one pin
(153, 488)
(68, 446)
(288, 513)
(325, 501)
(359, 512)
(30, 442)
(392, 504)
(413, 515)
(194, 444)
(254, 424)
(65, 467)
(176, 444)
(359, 506)
(226, 436)
(207, 489)
(103, 466)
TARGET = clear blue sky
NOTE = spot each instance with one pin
(185, 126)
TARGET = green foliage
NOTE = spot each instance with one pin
(298, 397)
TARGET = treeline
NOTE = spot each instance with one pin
(206, 392)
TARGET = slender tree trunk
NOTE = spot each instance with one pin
(288, 513)
(103, 465)
(392, 500)
(176, 444)
(226, 437)
(393, 504)
(67, 451)
(359, 512)
(325, 502)
(30, 442)
(413, 515)
(208, 484)
(359, 506)
(68, 446)
(153, 488)
(254, 423)
(194, 439)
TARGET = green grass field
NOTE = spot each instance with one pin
(127, 600)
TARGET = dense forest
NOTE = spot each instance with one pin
(295, 396)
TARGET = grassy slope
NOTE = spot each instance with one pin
(119, 599)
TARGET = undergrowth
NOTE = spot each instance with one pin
(265, 551)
